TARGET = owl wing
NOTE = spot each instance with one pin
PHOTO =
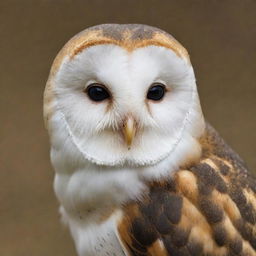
(208, 208)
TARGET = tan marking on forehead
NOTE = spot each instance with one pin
(129, 37)
(90, 38)
(171, 43)
(97, 37)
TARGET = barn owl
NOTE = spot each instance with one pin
(138, 170)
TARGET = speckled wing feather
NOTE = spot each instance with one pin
(208, 208)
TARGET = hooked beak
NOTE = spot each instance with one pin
(129, 130)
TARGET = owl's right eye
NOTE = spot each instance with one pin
(97, 92)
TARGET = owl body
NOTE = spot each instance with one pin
(138, 171)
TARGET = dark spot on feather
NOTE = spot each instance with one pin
(138, 31)
(143, 231)
(151, 210)
(246, 209)
(163, 226)
(211, 211)
(135, 252)
(173, 250)
(179, 236)
(204, 188)
(220, 184)
(246, 231)
(208, 177)
(139, 247)
(162, 200)
(236, 246)
(171, 185)
(224, 169)
(157, 194)
(252, 183)
(219, 235)
(172, 207)
(222, 150)
(141, 33)
(241, 226)
(195, 248)
(112, 31)
(203, 171)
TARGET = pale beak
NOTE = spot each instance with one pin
(129, 130)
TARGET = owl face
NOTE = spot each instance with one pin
(120, 106)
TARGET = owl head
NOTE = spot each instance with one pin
(122, 94)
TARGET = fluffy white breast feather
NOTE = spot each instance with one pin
(96, 172)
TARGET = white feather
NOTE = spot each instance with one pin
(95, 170)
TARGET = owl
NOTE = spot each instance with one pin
(138, 170)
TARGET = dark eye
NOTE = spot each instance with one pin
(156, 92)
(97, 92)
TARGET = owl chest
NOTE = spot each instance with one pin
(95, 239)
(90, 194)
(91, 206)
(91, 212)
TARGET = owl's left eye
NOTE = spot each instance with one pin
(97, 92)
(156, 92)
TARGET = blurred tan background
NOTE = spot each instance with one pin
(220, 36)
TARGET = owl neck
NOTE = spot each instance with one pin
(89, 193)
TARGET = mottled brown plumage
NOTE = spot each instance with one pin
(207, 208)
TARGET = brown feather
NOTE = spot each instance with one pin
(208, 208)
